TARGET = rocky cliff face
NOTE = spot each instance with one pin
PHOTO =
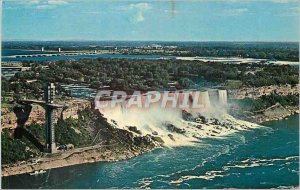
(37, 114)
(108, 144)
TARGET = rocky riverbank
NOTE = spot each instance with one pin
(275, 112)
(107, 144)
(91, 154)
(272, 113)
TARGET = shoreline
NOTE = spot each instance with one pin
(271, 113)
(206, 59)
(75, 157)
(85, 155)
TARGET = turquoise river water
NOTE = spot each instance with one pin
(266, 157)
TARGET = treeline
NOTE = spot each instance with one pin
(262, 50)
(287, 52)
(267, 101)
(138, 74)
(13, 150)
(276, 54)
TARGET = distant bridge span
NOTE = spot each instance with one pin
(50, 55)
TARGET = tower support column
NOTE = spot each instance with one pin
(49, 93)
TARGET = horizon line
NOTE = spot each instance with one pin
(90, 40)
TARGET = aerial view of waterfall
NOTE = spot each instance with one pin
(127, 94)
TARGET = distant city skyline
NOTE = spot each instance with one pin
(205, 20)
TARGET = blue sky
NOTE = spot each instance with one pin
(202, 20)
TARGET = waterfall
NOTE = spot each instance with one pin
(205, 99)
(123, 108)
(222, 97)
(174, 126)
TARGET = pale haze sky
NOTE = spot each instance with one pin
(202, 20)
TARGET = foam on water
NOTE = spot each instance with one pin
(154, 121)
(266, 157)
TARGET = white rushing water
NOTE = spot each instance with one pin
(170, 125)
(223, 97)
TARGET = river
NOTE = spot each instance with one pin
(266, 157)
(232, 60)
(9, 52)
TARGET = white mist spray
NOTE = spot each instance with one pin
(156, 121)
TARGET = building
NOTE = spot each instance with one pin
(8, 71)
